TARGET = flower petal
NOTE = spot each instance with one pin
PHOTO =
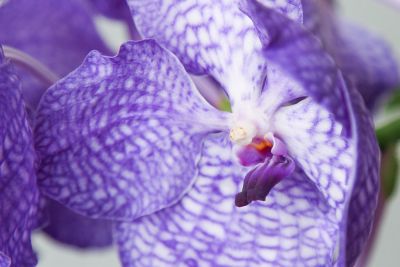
(364, 198)
(18, 190)
(116, 9)
(30, 26)
(364, 58)
(296, 55)
(73, 229)
(209, 37)
(205, 228)
(120, 137)
(5, 261)
(330, 134)
(290, 8)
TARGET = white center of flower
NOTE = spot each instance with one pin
(242, 133)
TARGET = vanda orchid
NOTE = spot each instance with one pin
(130, 139)
(287, 177)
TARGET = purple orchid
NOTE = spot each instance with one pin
(18, 191)
(61, 48)
(130, 139)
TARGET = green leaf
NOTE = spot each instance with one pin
(394, 101)
(389, 132)
(389, 171)
(388, 121)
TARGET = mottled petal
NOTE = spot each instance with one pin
(294, 54)
(331, 138)
(73, 229)
(18, 190)
(364, 198)
(120, 137)
(209, 37)
(30, 26)
(292, 228)
(322, 146)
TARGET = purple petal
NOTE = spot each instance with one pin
(120, 137)
(364, 197)
(322, 146)
(116, 9)
(292, 227)
(18, 190)
(330, 134)
(5, 261)
(73, 229)
(290, 8)
(296, 56)
(364, 58)
(30, 26)
(209, 37)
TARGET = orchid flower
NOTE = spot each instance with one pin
(57, 35)
(18, 190)
(363, 57)
(129, 138)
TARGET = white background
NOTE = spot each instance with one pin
(376, 16)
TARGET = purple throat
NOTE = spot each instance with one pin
(271, 165)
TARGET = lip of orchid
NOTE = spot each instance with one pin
(270, 164)
(31, 64)
(260, 180)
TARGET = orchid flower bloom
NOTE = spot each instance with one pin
(364, 58)
(57, 35)
(130, 139)
(18, 190)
